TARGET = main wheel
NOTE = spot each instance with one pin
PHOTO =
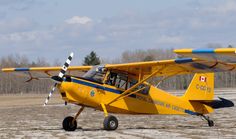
(110, 123)
(68, 124)
(210, 123)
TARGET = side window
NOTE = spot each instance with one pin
(145, 87)
(121, 81)
(132, 82)
(112, 79)
(118, 80)
(95, 74)
(145, 91)
(98, 77)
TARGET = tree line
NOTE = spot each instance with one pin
(15, 82)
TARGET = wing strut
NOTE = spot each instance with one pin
(164, 78)
(128, 91)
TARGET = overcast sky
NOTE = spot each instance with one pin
(54, 28)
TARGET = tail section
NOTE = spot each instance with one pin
(201, 87)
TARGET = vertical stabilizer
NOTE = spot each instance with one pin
(201, 87)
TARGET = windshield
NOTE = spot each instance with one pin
(95, 74)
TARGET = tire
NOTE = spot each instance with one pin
(210, 123)
(110, 123)
(68, 125)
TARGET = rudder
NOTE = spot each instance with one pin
(201, 87)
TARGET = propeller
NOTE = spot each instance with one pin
(58, 79)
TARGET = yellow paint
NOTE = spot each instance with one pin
(183, 51)
(78, 113)
(225, 50)
(45, 69)
(104, 110)
(217, 51)
(157, 102)
(201, 87)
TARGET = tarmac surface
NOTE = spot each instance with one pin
(23, 116)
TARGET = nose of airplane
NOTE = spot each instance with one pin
(60, 75)
(70, 91)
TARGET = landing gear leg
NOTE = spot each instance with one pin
(69, 123)
(209, 121)
(110, 122)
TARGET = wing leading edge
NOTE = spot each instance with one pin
(45, 69)
(42, 72)
(173, 67)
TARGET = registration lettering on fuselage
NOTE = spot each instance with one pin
(203, 88)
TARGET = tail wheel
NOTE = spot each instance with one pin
(110, 123)
(68, 124)
(210, 123)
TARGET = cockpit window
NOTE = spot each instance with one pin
(95, 74)
(124, 82)
(121, 81)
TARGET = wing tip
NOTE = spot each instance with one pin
(205, 51)
(7, 69)
(15, 69)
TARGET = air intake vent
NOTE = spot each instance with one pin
(63, 94)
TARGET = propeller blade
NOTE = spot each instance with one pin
(65, 66)
(50, 94)
(59, 78)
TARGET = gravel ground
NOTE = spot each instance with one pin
(23, 116)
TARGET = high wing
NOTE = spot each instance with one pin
(200, 61)
(174, 67)
(43, 72)
(46, 69)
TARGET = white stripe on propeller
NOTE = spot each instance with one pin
(61, 75)
(50, 94)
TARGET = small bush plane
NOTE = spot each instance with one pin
(123, 88)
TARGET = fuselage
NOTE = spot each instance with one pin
(91, 94)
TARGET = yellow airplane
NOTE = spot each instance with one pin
(123, 88)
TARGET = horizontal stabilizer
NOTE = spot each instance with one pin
(222, 103)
